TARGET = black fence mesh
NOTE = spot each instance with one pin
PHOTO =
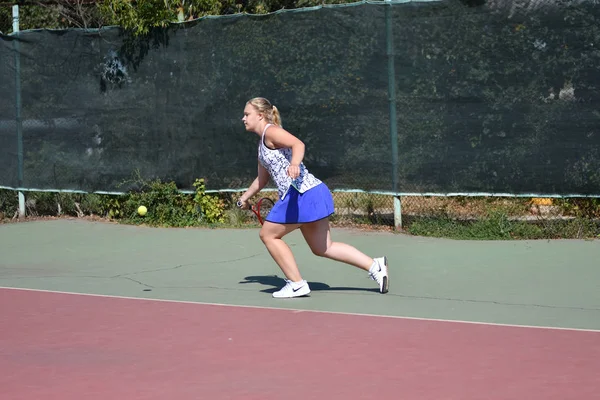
(499, 98)
(502, 97)
(98, 106)
(8, 118)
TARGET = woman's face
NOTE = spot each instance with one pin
(252, 118)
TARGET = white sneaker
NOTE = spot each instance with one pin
(292, 289)
(381, 276)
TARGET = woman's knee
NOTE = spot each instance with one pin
(267, 235)
(263, 235)
(320, 250)
(270, 231)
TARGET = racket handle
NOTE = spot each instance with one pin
(240, 204)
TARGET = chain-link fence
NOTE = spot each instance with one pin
(400, 104)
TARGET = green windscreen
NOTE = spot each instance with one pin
(486, 99)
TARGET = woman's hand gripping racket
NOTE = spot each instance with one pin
(261, 209)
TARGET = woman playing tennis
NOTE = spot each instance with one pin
(304, 202)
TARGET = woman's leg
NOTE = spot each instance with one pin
(318, 237)
(271, 234)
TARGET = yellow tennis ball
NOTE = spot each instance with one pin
(142, 210)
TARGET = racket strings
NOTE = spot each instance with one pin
(264, 208)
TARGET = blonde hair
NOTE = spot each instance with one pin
(264, 106)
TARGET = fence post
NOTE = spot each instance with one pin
(398, 213)
(389, 32)
(15, 15)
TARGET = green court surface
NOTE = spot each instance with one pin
(533, 283)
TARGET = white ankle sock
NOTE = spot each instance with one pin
(374, 267)
(298, 284)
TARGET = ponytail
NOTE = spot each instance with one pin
(276, 116)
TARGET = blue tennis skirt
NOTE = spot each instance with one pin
(303, 208)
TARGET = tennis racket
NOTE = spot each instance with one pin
(262, 208)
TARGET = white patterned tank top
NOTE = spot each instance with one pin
(277, 161)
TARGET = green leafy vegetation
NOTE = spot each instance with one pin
(463, 218)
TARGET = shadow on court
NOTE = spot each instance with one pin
(275, 282)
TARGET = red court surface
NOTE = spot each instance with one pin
(67, 346)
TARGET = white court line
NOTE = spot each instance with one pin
(308, 311)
